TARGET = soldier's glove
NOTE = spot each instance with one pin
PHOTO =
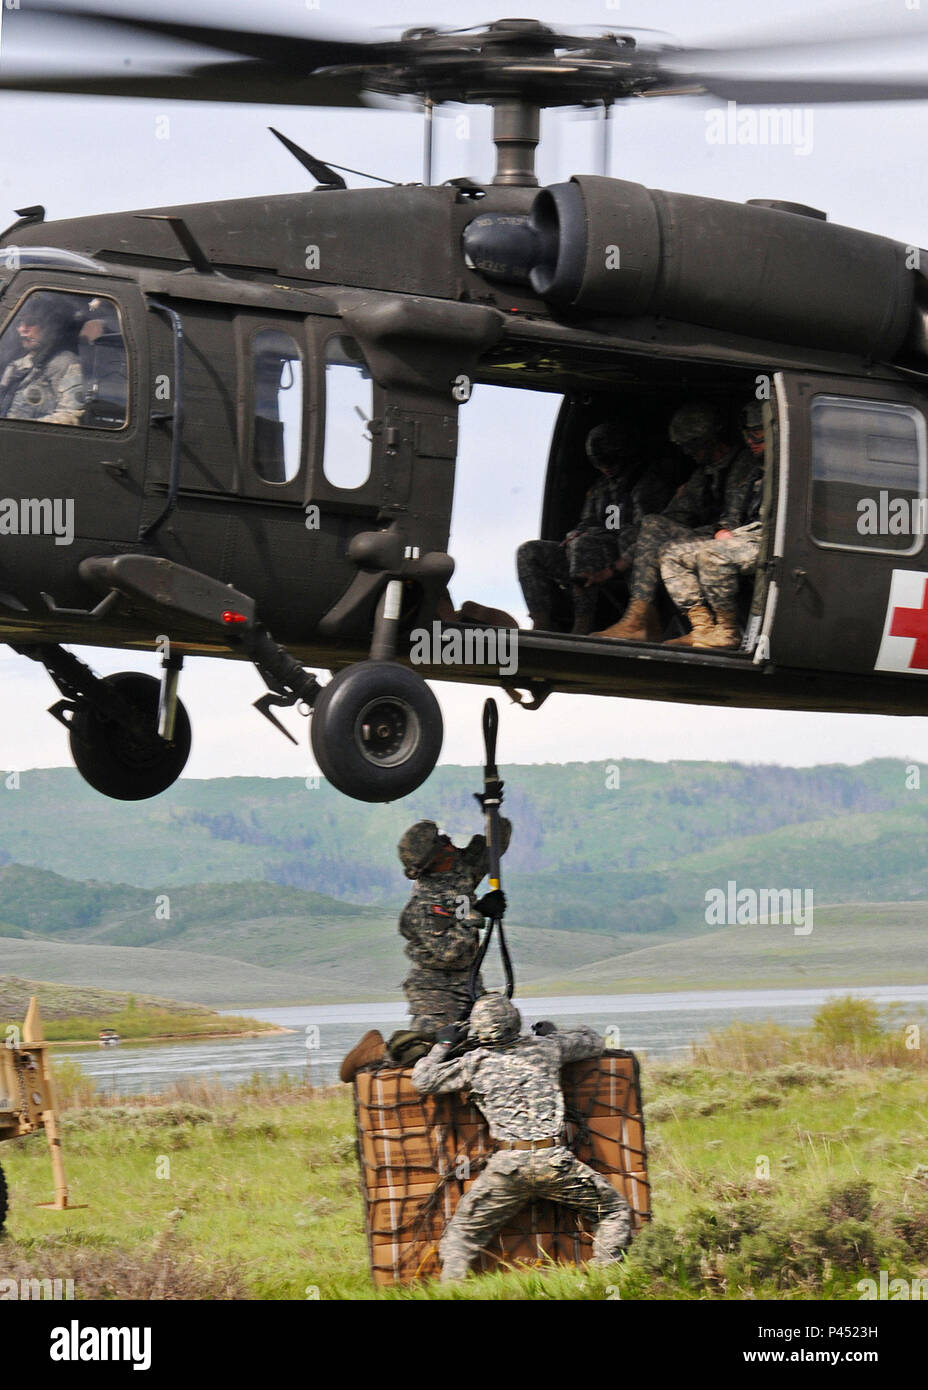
(492, 904)
(452, 1033)
(544, 1028)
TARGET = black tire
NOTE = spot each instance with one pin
(392, 758)
(4, 1201)
(118, 763)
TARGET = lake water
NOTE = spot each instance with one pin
(659, 1025)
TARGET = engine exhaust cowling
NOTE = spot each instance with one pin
(608, 247)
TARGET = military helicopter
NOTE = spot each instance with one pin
(250, 449)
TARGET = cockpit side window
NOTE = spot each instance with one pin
(63, 361)
(348, 410)
(278, 415)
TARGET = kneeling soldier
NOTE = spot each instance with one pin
(515, 1082)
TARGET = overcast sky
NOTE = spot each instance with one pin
(865, 165)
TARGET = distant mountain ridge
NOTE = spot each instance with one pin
(626, 847)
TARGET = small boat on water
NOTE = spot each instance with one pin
(109, 1037)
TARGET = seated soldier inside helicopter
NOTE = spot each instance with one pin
(599, 547)
(702, 576)
(46, 382)
(698, 509)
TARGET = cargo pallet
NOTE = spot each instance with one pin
(420, 1154)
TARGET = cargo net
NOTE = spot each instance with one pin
(420, 1154)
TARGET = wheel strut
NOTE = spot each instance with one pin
(171, 667)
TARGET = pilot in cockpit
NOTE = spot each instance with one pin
(45, 383)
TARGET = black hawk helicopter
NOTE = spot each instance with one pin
(251, 407)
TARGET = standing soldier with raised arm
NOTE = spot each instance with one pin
(515, 1082)
(441, 924)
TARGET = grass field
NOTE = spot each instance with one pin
(784, 1165)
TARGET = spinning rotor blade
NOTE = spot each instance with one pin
(512, 59)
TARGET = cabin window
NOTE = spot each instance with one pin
(63, 362)
(346, 461)
(278, 418)
(868, 475)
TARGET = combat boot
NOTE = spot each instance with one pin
(720, 631)
(640, 623)
(489, 617)
(725, 634)
(371, 1048)
(702, 623)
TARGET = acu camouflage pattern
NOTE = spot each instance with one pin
(544, 567)
(517, 1087)
(715, 497)
(50, 390)
(705, 573)
(441, 944)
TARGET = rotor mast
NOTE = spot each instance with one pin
(516, 132)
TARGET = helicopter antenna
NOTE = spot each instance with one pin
(607, 138)
(429, 143)
(324, 173)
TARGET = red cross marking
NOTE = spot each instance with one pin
(913, 622)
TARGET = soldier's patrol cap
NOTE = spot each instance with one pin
(693, 423)
(417, 846)
(611, 443)
(494, 1019)
(752, 416)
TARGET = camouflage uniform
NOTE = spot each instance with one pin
(516, 1085)
(49, 390)
(693, 513)
(705, 573)
(544, 567)
(442, 944)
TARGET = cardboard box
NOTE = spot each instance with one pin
(601, 1085)
(609, 1143)
(397, 1152)
(400, 1262)
(387, 1100)
(411, 1213)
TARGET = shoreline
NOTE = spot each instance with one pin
(174, 1037)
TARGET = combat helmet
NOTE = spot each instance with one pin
(494, 1019)
(417, 847)
(612, 444)
(696, 423)
(752, 415)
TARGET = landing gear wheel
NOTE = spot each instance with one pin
(116, 761)
(376, 731)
